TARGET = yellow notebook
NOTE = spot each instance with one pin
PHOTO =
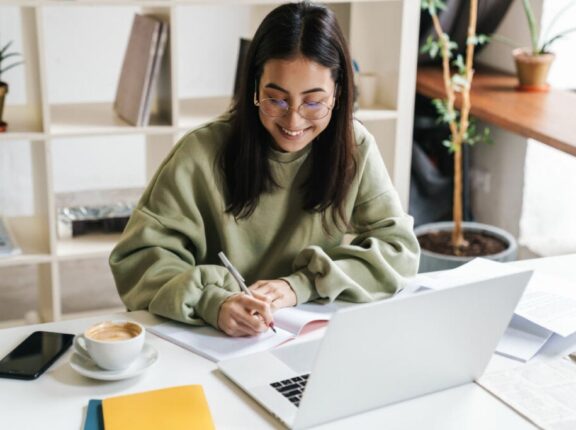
(175, 408)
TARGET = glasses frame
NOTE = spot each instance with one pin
(297, 110)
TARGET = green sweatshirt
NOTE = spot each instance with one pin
(166, 260)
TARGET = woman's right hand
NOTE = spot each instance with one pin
(242, 315)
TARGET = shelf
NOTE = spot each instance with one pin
(547, 117)
(197, 111)
(89, 246)
(20, 129)
(70, 133)
(375, 114)
(24, 259)
(95, 118)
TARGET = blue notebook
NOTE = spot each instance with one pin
(94, 420)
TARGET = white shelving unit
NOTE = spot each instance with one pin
(383, 39)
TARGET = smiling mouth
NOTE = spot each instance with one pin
(292, 133)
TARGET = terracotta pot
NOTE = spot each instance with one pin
(532, 70)
(3, 92)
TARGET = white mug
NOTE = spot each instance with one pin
(112, 345)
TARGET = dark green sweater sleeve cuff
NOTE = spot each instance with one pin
(209, 304)
(303, 286)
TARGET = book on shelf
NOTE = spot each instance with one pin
(216, 345)
(8, 245)
(140, 69)
(242, 52)
(184, 407)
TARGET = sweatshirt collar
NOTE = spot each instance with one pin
(287, 157)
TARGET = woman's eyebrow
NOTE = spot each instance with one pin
(279, 88)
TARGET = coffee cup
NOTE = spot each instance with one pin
(112, 345)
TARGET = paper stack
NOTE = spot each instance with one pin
(547, 308)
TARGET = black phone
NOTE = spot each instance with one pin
(35, 354)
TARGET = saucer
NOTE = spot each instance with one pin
(86, 367)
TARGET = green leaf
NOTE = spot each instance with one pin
(459, 82)
(459, 64)
(432, 47)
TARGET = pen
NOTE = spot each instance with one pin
(239, 279)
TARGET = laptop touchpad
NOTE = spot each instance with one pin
(298, 356)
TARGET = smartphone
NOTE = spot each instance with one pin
(35, 354)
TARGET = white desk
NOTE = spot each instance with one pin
(57, 400)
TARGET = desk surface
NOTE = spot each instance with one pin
(547, 117)
(57, 400)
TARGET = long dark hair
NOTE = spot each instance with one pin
(288, 31)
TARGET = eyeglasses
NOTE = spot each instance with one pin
(278, 107)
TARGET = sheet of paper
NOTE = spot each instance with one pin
(295, 319)
(543, 391)
(215, 345)
(551, 303)
(522, 339)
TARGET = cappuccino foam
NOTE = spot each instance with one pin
(114, 332)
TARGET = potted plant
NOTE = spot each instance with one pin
(4, 55)
(449, 244)
(533, 64)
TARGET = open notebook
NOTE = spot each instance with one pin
(215, 345)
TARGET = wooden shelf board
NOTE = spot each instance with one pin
(24, 259)
(197, 111)
(89, 246)
(547, 117)
(21, 128)
(376, 113)
(93, 119)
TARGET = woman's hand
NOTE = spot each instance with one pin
(242, 315)
(277, 292)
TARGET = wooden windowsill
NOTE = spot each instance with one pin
(547, 117)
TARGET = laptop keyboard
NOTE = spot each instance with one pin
(292, 388)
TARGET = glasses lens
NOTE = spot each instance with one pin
(274, 107)
(313, 110)
(307, 110)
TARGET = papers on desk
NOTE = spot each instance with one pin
(547, 307)
(543, 391)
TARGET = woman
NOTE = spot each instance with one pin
(275, 184)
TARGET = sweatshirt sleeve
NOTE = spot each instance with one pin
(155, 264)
(382, 255)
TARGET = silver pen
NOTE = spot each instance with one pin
(239, 279)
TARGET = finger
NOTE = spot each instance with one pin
(248, 330)
(263, 309)
(258, 284)
(263, 297)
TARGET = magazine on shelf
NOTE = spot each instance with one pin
(140, 67)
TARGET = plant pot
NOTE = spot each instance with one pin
(432, 261)
(532, 70)
(3, 92)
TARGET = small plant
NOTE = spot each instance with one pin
(462, 128)
(4, 55)
(540, 41)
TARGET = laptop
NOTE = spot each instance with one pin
(384, 352)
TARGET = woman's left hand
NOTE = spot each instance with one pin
(277, 292)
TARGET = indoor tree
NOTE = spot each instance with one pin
(457, 72)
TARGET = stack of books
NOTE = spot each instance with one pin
(140, 69)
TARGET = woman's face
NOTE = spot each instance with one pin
(295, 81)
